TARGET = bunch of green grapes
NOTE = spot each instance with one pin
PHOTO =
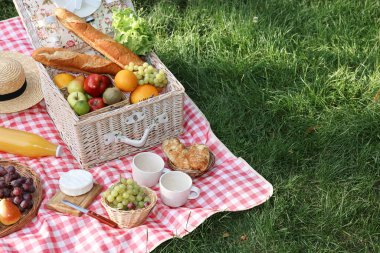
(127, 195)
(147, 74)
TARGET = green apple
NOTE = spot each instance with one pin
(75, 97)
(88, 96)
(76, 85)
(81, 107)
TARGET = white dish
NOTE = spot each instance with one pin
(87, 8)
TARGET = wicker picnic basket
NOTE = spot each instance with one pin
(117, 130)
(132, 218)
(25, 171)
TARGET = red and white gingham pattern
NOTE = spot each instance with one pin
(231, 185)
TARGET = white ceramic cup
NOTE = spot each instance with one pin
(147, 168)
(176, 188)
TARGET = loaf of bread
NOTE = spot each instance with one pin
(101, 42)
(63, 59)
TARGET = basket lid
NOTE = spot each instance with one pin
(45, 31)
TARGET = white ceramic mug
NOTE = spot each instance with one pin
(176, 188)
(147, 168)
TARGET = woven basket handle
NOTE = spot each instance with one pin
(136, 143)
(118, 137)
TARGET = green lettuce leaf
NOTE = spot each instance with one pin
(132, 31)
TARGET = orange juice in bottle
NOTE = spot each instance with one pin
(26, 144)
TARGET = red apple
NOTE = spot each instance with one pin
(96, 103)
(96, 84)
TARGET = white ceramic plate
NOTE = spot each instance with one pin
(88, 6)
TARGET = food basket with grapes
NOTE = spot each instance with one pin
(20, 196)
(127, 203)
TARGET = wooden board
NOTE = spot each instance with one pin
(55, 203)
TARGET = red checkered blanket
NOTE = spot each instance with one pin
(232, 185)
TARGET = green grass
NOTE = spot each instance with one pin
(7, 9)
(292, 94)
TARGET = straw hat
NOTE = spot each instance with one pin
(19, 82)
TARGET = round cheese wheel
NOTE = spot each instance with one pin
(76, 182)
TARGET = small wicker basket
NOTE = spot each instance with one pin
(132, 218)
(194, 173)
(27, 216)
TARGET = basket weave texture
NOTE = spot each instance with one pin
(132, 218)
(84, 135)
(25, 171)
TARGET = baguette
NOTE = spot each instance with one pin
(101, 42)
(74, 62)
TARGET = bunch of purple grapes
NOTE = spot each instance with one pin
(16, 187)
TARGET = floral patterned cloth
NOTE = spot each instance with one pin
(53, 34)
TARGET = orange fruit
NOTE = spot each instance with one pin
(63, 79)
(143, 92)
(126, 80)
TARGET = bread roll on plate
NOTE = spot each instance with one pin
(198, 157)
(195, 157)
